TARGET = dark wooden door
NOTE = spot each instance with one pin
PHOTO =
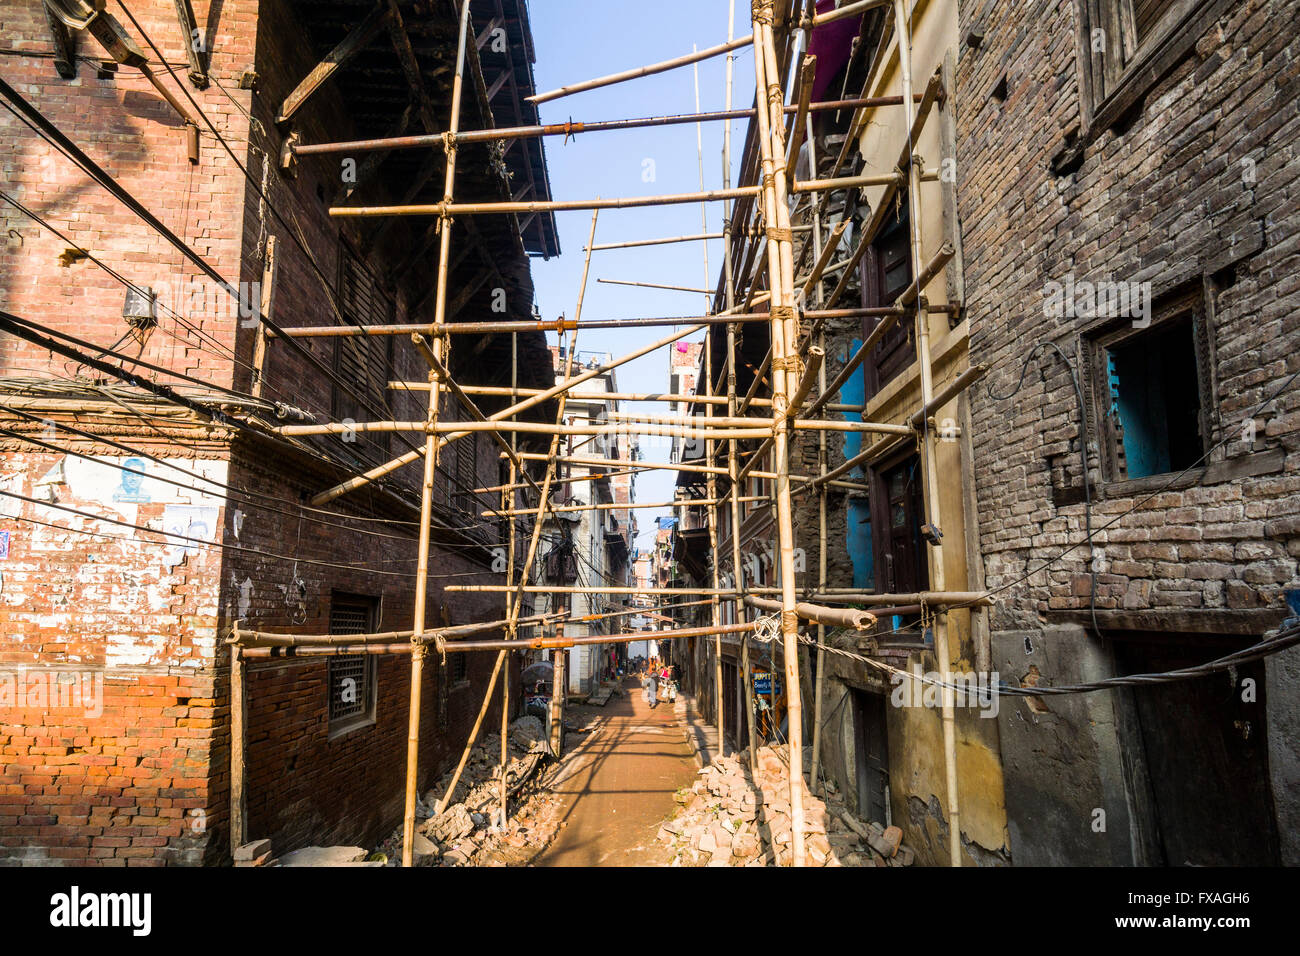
(871, 755)
(1206, 753)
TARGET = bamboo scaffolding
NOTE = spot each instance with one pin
(848, 10)
(430, 462)
(570, 128)
(780, 271)
(639, 243)
(611, 506)
(654, 285)
(621, 202)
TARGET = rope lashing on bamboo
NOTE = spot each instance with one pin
(761, 12)
(779, 235)
(766, 628)
(789, 621)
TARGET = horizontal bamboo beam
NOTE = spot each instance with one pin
(932, 598)
(831, 616)
(687, 59)
(639, 243)
(454, 209)
(564, 325)
(533, 428)
(609, 506)
(542, 643)
(572, 128)
(656, 285)
(576, 589)
(722, 421)
(271, 639)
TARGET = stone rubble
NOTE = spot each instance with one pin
(465, 833)
(732, 818)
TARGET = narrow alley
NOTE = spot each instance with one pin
(618, 784)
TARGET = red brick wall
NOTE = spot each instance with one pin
(123, 124)
(119, 774)
(303, 787)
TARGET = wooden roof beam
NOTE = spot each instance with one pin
(351, 45)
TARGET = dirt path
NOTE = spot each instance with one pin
(618, 785)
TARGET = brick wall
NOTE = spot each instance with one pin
(119, 631)
(123, 124)
(1163, 200)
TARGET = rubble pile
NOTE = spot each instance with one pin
(468, 833)
(732, 818)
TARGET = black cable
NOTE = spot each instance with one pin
(1083, 461)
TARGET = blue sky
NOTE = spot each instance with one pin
(582, 40)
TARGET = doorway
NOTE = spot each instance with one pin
(871, 755)
(1205, 746)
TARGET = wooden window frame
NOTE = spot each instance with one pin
(1097, 340)
(1114, 81)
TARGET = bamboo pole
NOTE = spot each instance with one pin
(469, 647)
(566, 325)
(580, 589)
(639, 243)
(821, 255)
(853, 618)
(558, 691)
(419, 650)
(552, 643)
(653, 285)
(572, 128)
(928, 451)
(729, 289)
(648, 70)
(846, 11)
(569, 382)
(620, 202)
(780, 273)
(675, 398)
(715, 607)
(238, 747)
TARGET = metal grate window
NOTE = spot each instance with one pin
(351, 677)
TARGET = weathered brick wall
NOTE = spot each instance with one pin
(123, 124)
(1163, 200)
(120, 630)
(304, 787)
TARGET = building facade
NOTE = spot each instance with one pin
(150, 503)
